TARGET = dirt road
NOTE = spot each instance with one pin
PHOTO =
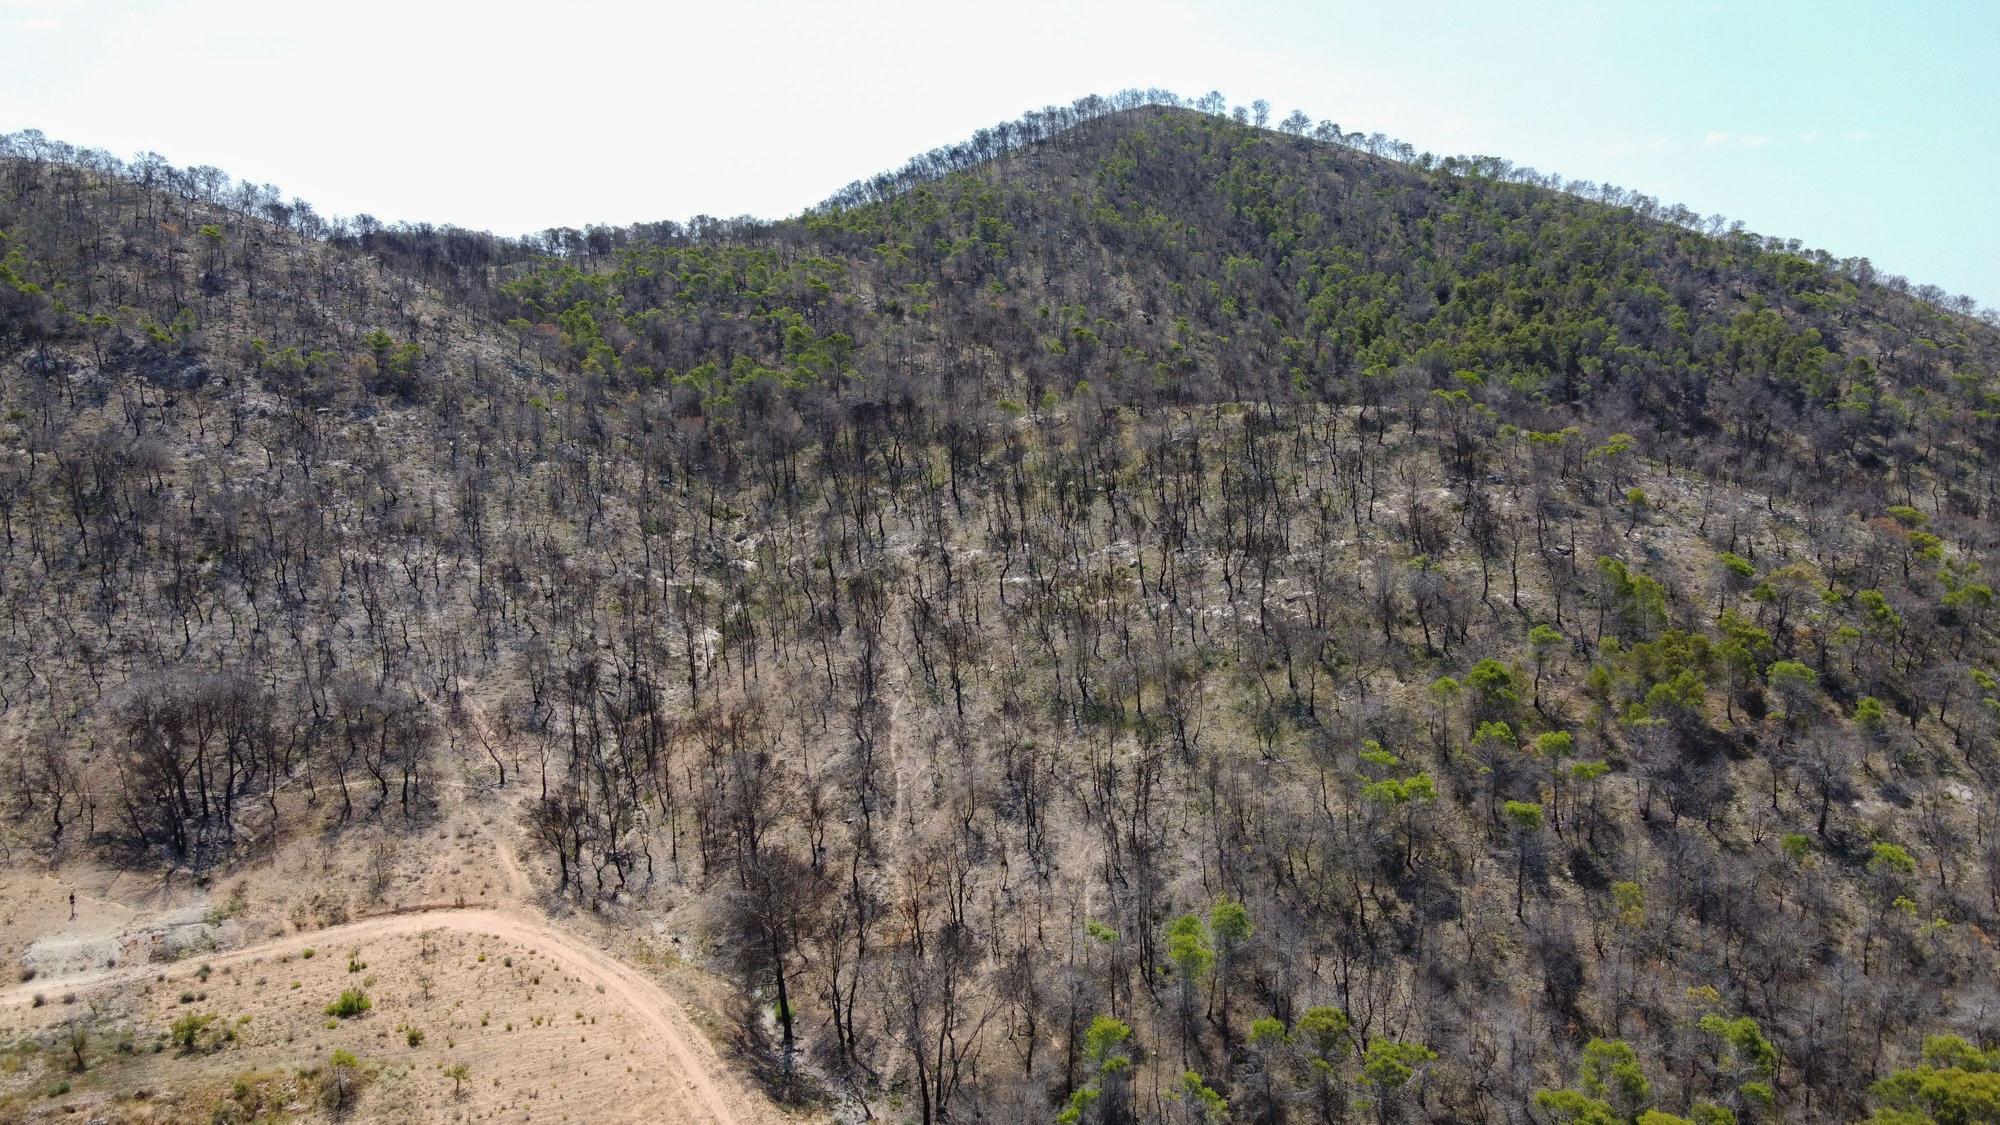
(705, 1088)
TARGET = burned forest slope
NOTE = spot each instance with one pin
(1130, 614)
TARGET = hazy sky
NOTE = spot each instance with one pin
(1862, 128)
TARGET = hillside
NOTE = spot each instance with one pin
(1134, 617)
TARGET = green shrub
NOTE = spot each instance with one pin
(352, 1003)
(187, 1029)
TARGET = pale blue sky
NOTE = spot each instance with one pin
(1863, 128)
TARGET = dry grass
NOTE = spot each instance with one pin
(545, 1032)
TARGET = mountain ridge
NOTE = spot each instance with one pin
(1033, 127)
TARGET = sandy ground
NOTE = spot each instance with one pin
(440, 933)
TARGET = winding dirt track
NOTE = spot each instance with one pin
(705, 1089)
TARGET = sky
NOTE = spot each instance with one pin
(1865, 129)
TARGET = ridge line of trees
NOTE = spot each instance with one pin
(428, 241)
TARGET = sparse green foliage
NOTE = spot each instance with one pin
(1189, 948)
(1105, 1042)
(1208, 1105)
(1390, 791)
(1575, 1108)
(1638, 603)
(1390, 1064)
(1525, 816)
(1230, 923)
(1611, 1071)
(1494, 693)
(1955, 1084)
(1746, 1042)
(1106, 1048)
(342, 1076)
(187, 1030)
(352, 1002)
(1325, 1031)
(1794, 683)
(1890, 860)
(1629, 899)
